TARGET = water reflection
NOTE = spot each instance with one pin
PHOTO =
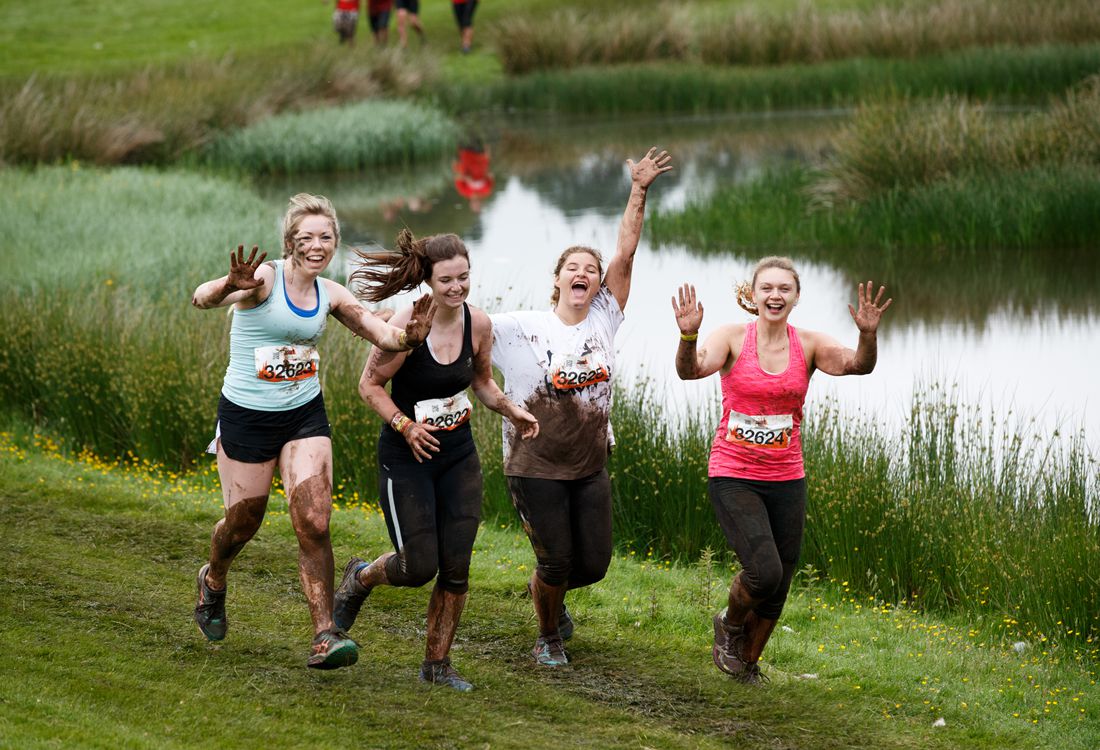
(1013, 330)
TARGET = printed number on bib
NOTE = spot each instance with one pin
(445, 413)
(568, 371)
(280, 364)
(771, 431)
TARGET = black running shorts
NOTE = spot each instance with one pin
(253, 437)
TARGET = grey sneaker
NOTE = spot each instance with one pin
(549, 651)
(728, 642)
(210, 610)
(350, 596)
(333, 649)
(751, 675)
(442, 673)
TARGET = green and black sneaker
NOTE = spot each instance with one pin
(333, 649)
(210, 611)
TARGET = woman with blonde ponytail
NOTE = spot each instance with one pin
(757, 484)
(429, 475)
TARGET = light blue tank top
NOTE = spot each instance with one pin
(273, 361)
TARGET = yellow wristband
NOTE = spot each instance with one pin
(403, 340)
(689, 336)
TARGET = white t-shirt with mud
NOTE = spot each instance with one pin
(562, 375)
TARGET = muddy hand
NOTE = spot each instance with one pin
(526, 423)
(645, 171)
(242, 273)
(689, 312)
(420, 324)
(421, 441)
(870, 311)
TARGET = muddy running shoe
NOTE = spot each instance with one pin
(728, 642)
(210, 611)
(549, 651)
(565, 624)
(751, 675)
(333, 649)
(350, 595)
(442, 673)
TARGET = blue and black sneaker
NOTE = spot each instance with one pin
(442, 673)
(210, 611)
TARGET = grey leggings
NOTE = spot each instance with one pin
(763, 523)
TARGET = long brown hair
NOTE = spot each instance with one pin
(744, 289)
(382, 275)
(561, 262)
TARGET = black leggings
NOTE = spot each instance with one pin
(569, 524)
(432, 511)
(763, 522)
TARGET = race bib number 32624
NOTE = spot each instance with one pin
(568, 371)
(445, 413)
(769, 431)
(280, 364)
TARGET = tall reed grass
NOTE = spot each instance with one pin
(753, 34)
(338, 139)
(1005, 74)
(162, 112)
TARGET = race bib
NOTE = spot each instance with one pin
(445, 413)
(568, 371)
(771, 431)
(280, 364)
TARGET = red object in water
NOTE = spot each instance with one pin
(472, 178)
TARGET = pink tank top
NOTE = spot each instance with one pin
(759, 437)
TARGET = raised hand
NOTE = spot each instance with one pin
(242, 273)
(420, 324)
(645, 171)
(689, 312)
(870, 312)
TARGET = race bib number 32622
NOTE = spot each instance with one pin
(568, 371)
(445, 413)
(280, 364)
(769, 431)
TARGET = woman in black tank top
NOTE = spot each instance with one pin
(429, 476)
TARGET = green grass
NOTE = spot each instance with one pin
(98, 592)
(339, 139)
(1007, 75)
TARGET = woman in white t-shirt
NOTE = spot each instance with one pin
(558, 365)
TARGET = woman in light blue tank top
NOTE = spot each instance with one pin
(272, 411)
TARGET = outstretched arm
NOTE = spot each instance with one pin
(487, 390)
(693, 363)
(621, 267)
(244, 280)
(832, 358)
(365, 324)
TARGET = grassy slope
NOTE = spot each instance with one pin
(97, 594)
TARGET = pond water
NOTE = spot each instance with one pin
(1028, 347)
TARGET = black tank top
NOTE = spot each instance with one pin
(421, 378)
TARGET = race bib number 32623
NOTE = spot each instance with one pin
(568, 371)
(769, 431)
(445, 413)
(280, 364)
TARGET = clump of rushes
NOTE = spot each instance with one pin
(905, 145)
(162, 112)
(753, 34)
(338, 139)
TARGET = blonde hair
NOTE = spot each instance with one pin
(301, 206)
(382, 275)
(743, 291)
(561, 262)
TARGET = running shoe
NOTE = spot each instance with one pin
(549, 651)
(728, 642)
(442, 673)
(210, 610)
(565, 624)
(333, 649)
(751, 675)
(350, 595)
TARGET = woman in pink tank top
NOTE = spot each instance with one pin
(757, 484)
